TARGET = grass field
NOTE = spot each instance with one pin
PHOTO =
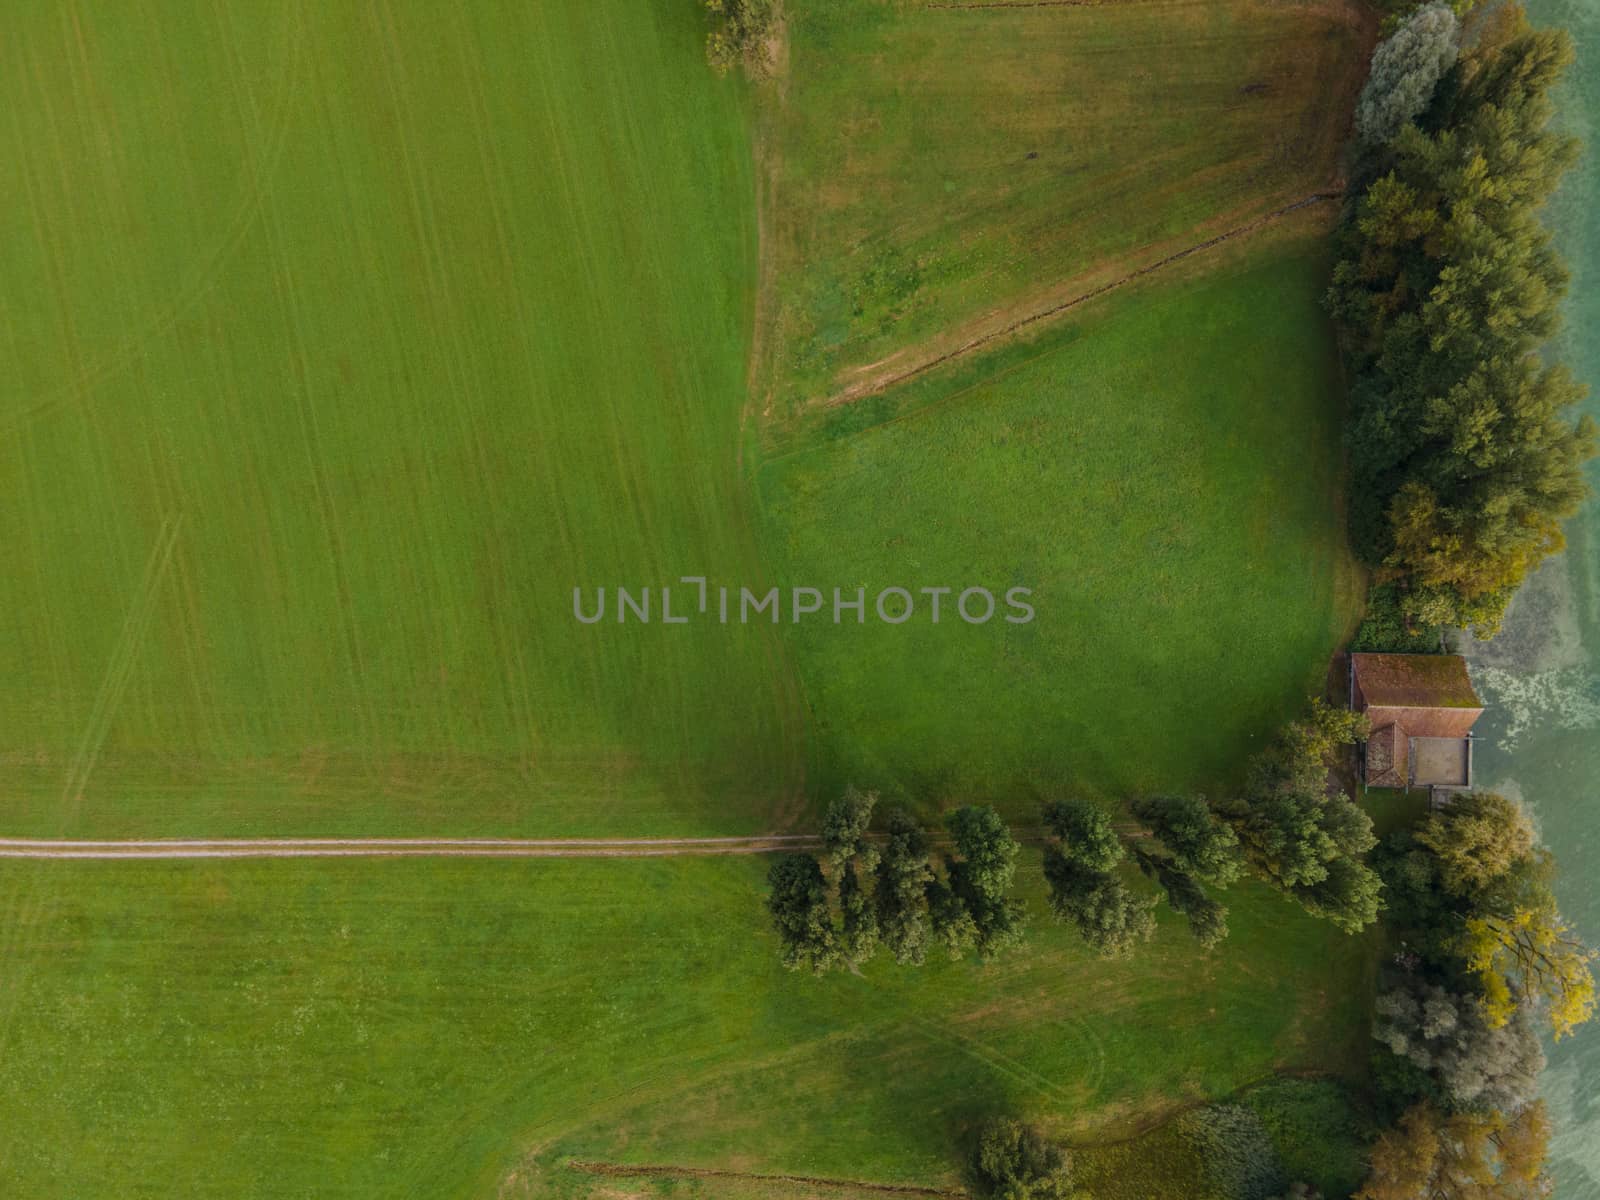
(932, 168)
(1163, 472)
(338, 354)
(346, 341)
(376, 1029)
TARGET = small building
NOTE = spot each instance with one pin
(1422, 708)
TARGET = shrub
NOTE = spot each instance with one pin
(1013, 1161)
(1239, 1159)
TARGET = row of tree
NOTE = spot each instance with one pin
(1484, 956)
(1287, 826)
(1465, 456)
(913, 904)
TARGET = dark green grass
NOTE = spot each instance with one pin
(397, 322)
(1163, 473)
(276, 1029)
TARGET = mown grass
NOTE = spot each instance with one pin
(928, 165)
(361, 1028)
(1163, 472)
(399, 323)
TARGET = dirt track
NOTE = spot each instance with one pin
(162, 848)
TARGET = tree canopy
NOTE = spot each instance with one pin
(1465, 455)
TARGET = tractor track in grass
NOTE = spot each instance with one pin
(662, 1171)
(872, 383)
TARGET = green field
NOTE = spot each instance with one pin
(346, 341)
(354, 357)
(1180, 530)
(934, 171)
(398, 1029)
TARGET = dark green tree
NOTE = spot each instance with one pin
(980, 877)
(845, 825)
(903, 876)
(858, 938)
(1207, 918)
(1099, 905)
(1013, 1161)
(1086, 834)
(798, 903)
(1198, 842)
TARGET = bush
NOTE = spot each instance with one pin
(1240, 1161)
(738, 29)
(1013, 1161)
(1316, 1130)
(1406, 68)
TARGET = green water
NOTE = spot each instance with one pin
(1541, 677)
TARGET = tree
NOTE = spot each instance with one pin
(799, 907)
(1085, 832)
(738, 29)
(981, 878)
(1109, 917)
(1350, 894)
(1201, 846)
(1013, 1161)
(1475, 840)
(845, 825)
(1476, 1065)
(1465, 456)
(903, 876)
(1467, 1156)
(858, 938)
(1299, 837)
(1208, 920)
(1531, 955)
(1406, 67)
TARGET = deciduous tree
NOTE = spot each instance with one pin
(1467, 1156)
(798, 903)
(1476, 1065)
(1198, 842)
(1406, 67)
(1013, 1161)
(980, 877)
(845, 825)
(903, 876)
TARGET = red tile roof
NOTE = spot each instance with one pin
(1386, 757)
(1413, 681)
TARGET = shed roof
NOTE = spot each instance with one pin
(1414, 681)
(1386, 765)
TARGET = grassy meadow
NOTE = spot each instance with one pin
(346, 341)
(1162, 471)
(343, 342)
(278, 1029)
(935, 171)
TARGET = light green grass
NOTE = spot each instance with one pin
(402, 322)
(930, 165)
(277, 1029)
(1163, 473)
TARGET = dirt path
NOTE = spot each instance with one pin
(456, 847)
(660, 1171)
(403, 847)
(913, 361)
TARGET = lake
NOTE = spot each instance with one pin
(1541, 676)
